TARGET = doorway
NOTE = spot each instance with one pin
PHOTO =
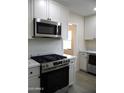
(70, 43)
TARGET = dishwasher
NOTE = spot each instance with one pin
(92, 64)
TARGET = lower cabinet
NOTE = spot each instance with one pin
(34, 84)
(71, 72)
(34, 80)
(83, 59)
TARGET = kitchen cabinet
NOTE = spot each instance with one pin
(49, 9)
(40, 9)
(34, 80)
(72, 71)
(53, 11)
(30, 19)
(83, 59)
(90, 27)
(64, 18)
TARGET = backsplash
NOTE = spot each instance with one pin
(40, 46)
(90, 45)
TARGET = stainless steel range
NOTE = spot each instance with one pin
(54, 72)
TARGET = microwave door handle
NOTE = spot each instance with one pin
(57, 30)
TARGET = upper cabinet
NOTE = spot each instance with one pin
(40, 9)
(49, 9)
(64, 18)
(30, 19)
(90, 27)
(53, 11)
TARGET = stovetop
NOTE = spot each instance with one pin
(48, 58)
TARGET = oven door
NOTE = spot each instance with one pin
(54, 80)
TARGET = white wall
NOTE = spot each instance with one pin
(80, 44)
(45, 46)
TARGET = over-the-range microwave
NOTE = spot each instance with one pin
(46, 28)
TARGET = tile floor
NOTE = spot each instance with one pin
(85, 83)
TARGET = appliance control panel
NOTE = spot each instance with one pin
(55, 64)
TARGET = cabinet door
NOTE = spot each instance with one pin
(30, 19)
(83, 58)
(90, 27)
(53, 11)
(34, 84)
(40, 9)
(64, 17)
(71, 72)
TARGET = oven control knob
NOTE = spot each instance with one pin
(43, 66)
(60, 62)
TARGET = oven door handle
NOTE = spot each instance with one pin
(55, 68)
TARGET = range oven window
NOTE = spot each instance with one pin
(55, 80)
(43, 28)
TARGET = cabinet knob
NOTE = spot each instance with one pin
(31, 72)
(49, 19)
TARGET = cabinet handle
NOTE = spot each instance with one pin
(31, 72)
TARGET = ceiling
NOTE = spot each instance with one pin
(81, 7)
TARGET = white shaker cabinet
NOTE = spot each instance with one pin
(53, 11)
(83, 59)
(34, 80)
(64, 18)
(59, 13)
(40, 9)
(90, 27)
(72, 71)
(48, 9)
(30, 19)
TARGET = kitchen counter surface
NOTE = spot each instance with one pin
(89, 52)
(69, 56)
(32, 63)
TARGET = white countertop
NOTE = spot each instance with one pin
(32, 63)
(89, 51)
(69, 56)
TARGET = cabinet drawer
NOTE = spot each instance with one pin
(33, 71)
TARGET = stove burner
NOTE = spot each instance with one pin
(47, 58)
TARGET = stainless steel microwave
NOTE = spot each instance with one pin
(46, 28)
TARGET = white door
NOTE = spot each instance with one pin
(71, 71)
(90, 27)
(64, 17)
(54, 11)
(83, 58)
(40, 9)
(34, 84)
(30, 19)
